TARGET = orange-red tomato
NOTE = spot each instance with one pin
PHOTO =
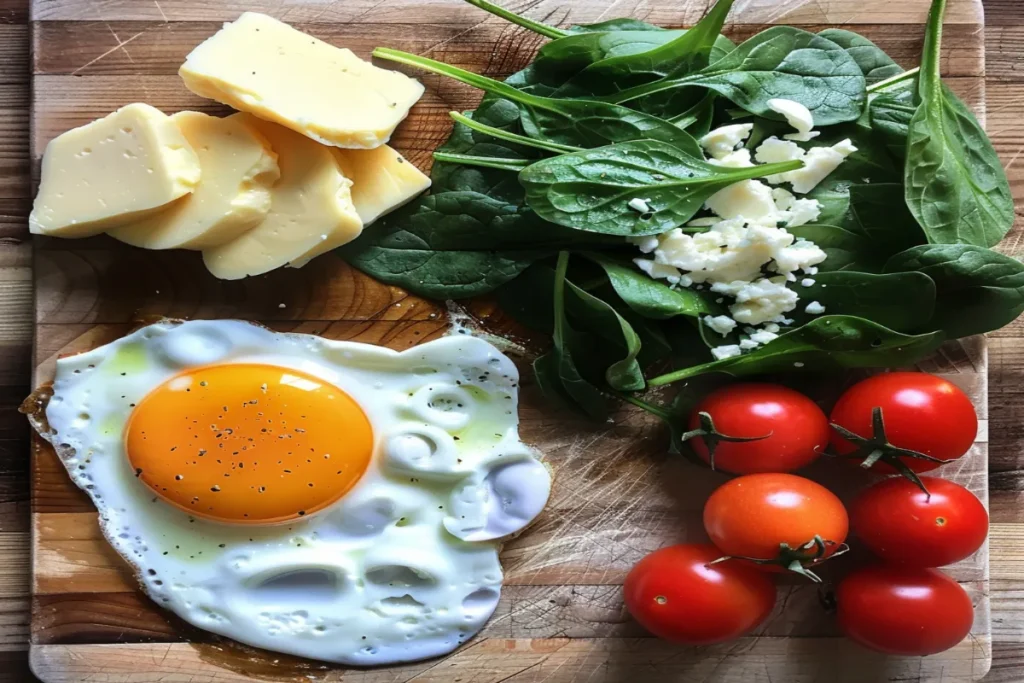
(677, 595)
(921, 412)
(903, 610)
(752, 515)
(797, 428)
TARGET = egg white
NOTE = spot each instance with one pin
(403, 567)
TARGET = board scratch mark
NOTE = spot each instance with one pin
(119, 46)
(161, 11)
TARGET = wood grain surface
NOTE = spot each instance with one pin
(103, 48)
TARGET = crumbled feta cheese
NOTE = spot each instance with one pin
(728, 251)
(815, 308)
(660, 271)
(703, 222)
(639, 205)
(646, 243)
(813, 271)
(764, 336)
(748, 199)
(795, 211)
(807, 282)
(762, 301)
(721, 141)
(798, 365)
(771, 327)
(798, 116)
(773, 151)
(738, 159)
(726, 351)
(722, 324)
(819, 162)
(802, 255)
(748, 344)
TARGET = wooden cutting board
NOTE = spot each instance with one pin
(617, 495)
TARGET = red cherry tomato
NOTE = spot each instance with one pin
(797, 427)
(677, 595)
(903, 610)
(752, 515)
(921, 412)
(901, 523)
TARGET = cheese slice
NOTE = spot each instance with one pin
(238, 170)
(382, 180)
(111, 172)
(311, 210)
(260, 65)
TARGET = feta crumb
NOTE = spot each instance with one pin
(639, 205)
(722, 324)
(702, 222)
(771, 327)
(750, 200)
(801, 255)
(798, 116)
(774, 150)
(659, 271)
(722, 141)
(764, 336)
(760, 301)
(798, 365)
(748, 344)
(646, 243)
(738, 159)
(815, 308)
(727, 252)
(819, 162)
(813, 271)
(807, 282)
(727, 351)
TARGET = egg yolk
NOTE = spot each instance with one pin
(248, 443)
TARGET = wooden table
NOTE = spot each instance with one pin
(1005, 54)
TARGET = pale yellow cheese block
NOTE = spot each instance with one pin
(382, 180)
(111, 172)
(260, 65)
(238, 170)
(311, 210)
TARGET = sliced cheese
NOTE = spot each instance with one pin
(260, 65)
(311, 210)
(112, 171)
(238, 170)
(382, 180)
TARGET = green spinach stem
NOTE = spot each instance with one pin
(512, 137)
(559, 299)
(677, 375)
(893, 80)
(514, 165)
(653, 410)
(535, 26)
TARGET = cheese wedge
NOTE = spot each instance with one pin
(382, 180)
(238, 170)
(260, 65)
(311, 210)
(113, 171)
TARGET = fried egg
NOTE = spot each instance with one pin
(332, 500)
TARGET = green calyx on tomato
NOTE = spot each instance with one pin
(798, 560)
(712, 437)
(877, 448)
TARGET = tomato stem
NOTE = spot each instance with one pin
(797, 560)
(712, 437)
(877, 447)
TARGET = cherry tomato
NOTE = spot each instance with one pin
(798, 428)
(921, 413)
(677, 595)
(752, 515)
(901, 523)
(903, 610)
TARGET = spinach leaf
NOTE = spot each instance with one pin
(903, 302)
(691, 51)
(781, 62)
(846, 250)
(872, 60)
(648, 297)
(890, 114)
(869, 164)
(519, 20)
(453, 245)
(828, 343)
(580, 123)
(591, 190)
(978, 290)
(878, 213)
(624, 24)
(603, 321)
(954, 182)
